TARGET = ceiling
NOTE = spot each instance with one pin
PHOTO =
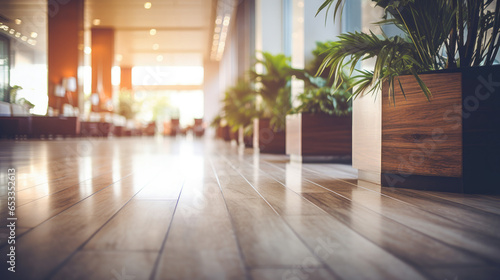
(33, 24)
(183, 29)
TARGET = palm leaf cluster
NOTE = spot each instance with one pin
(437, 34)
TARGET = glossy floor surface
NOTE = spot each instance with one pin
(161, 208)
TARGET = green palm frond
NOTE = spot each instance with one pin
(438, 34)
(393, 57)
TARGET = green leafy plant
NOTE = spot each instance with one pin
(128, 106)
(325, 100)
(21, 101)
(321, 95)
(274, 88)
(216, 121)
(13, 93)
(437, 34)
(239, 105)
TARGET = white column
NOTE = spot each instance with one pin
(269, 26)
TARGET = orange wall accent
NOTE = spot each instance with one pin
(126, 78)
(103, 56)
(65, 48)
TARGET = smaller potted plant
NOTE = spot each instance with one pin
(321, 127)
(239, 109)
(20, 106)
(274, 91)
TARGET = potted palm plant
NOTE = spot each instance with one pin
(274, 91)
(440, 114)
(239, 110)
(320, 128)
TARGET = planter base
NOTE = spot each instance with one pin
(266, 140)
(425, 183)
(320, 159)
(319, 138)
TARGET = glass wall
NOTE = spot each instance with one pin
(4, 68)
(24, 23)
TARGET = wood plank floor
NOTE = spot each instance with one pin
(165, 208)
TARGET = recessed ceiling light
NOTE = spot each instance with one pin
(119, 57)
(87, 50)
(147, 5)
(18, 34)
(159, 58)
(226, 21)
(34, 34)
(300, 4)
(12, 31)
(18, 21)
(96, 21)
(24, 38)
(152, 31)
(156, 47)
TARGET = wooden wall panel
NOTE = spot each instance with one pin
(103, 55)
(126, 78)
(65, 48)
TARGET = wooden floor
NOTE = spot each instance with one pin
(154, 208)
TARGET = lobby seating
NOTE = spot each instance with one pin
(16, 122)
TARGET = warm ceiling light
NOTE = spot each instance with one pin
(87, 50)
(300, 4)
(159, 58)
(156, 47)
(119, 57)
(152, 32)
(226, 21)
(34, 34)
(24, 38)
(96, 21)
(12, 31)
(18, 34)
(18, 21)
(147, 5)
(218, 20)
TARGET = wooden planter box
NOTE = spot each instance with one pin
(449, 144)
(319, 137)
(226, 133)
(266, 139)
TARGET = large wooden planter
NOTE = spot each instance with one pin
(449, 144)
(266, 139)
(318, 137)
